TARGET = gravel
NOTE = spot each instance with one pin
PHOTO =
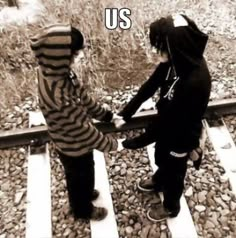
(63, 223)
(207, 191)
(13, 177)
(211, 201)
(126, 168)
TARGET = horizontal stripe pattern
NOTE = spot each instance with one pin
(64, 101)
(53, 41)
(70, 126)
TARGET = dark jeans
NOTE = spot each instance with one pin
(169, 177)
(79, 173)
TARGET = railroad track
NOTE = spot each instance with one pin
(38, 214)
(39, 135)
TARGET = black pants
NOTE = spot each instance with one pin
(79, 173)
(169, 177)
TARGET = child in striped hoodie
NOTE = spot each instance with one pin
(68, 110)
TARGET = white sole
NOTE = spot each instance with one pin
(143, 189)
(154, 220)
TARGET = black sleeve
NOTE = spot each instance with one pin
(107, 116)
(144, 139)
(146, 91)
(138, 142)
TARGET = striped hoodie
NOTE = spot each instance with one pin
(65, 103)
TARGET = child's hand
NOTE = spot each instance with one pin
(120, 145)
(106, 106)
(117, 120)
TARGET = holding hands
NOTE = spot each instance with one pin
(117, 120)
(120, 145)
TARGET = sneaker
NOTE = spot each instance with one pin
(95, 194)
(146, 185)
(158, 213)
(156, 200)
(98, 213)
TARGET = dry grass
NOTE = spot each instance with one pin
(113, 58)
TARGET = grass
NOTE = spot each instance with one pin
(113, 59)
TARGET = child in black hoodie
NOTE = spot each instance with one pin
(184, 82)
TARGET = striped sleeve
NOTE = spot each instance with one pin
(104, 143)
(93, 107)
(73, 126)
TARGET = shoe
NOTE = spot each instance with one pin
(95, 194)
(158, 213)
(146, 185)
(156, 200)
(98, 213)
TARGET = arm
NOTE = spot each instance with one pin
(93, 107)
(179, 123)
(146, 91)
(146, 138)
(72, 121)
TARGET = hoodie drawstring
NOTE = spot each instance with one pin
(169, 93)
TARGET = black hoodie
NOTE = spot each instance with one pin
(184, 84)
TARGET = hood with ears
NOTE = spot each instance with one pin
(181, 37)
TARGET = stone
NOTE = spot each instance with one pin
(204, 180)
(137, 226)
(225, 197)
(233, 206)
(212, 180)
(226, 228)
(217, 233)
(225, 212)
(224, 178)
(131, 199)
(108, 98)
(145, 231)
(198, 186)
(129, 230)
(72, 235)
(163, 235)
(67, 232)
(202, 196)
(223, 220)
(117, 168)
(189, 192)
(18, 197)
(200, 208)
(131, 221)
(123, 172)
(209, 225)
(5, 186)
(163, 227)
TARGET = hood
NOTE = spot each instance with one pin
(52, 48)
(183, 40)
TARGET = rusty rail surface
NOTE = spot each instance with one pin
(39, 135)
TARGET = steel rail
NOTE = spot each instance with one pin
(39, 135)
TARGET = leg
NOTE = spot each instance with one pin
(156, 182)
(79, 174)
(160, 174)
(174, 183)
(170, 175)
